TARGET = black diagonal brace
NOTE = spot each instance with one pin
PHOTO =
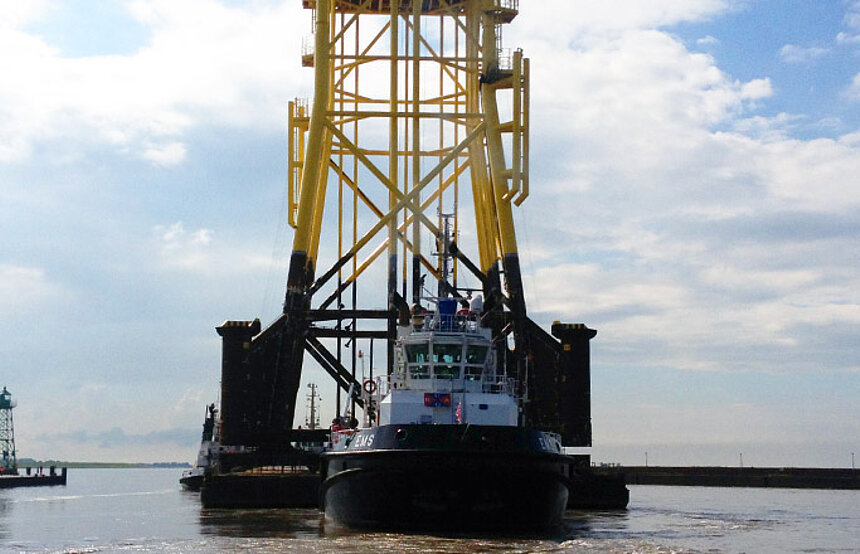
(334, 368)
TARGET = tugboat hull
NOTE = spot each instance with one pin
(457, 489)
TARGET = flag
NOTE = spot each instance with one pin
(437, 400)
(459, 412)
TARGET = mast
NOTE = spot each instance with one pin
(312, 421)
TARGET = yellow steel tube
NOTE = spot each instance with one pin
(516, 136)
(524, 175)
(324, 159)
(409, 199)
(416, 133)
(393, 140)
(302, 240)
(495, 148)
(398, 196)
(291, 165)
(504, 217)
(482, 197)
(319, 201)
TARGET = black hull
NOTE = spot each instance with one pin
(456, 490)
(191, 482)
(12, 481)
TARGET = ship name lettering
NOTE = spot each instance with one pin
(363, 441)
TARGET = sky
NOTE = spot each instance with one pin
(695, 198)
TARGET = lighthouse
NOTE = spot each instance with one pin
(8, 462)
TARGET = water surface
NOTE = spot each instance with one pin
(144, 510)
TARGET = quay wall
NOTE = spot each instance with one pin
(798, 478)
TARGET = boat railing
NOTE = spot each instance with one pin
(464, 321)
(497, 385)
(338, 435)
(500, 386)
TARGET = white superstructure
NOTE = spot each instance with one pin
(445, 373)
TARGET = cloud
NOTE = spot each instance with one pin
(852, 15)
(853, 90)
(792, 54)
(847, 38)
(116, 438)
(25, 288)
(15, 14)
(767, 129)
(165, 155)
(852, 21)
(701, 235)
(707, 41)
(181, 249)
(204, 64)
(588, 17)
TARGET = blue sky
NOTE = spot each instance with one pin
(807, 49)
(694, 199)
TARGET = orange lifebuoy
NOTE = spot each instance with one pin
(369, 386)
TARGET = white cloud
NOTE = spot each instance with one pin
(767, 129)
(646, 141)
(14, 14)
(707, 41)
(205, 64)
(24, 289)
(847, 38)
(799, 55)
(571, 19)
(181, 249)
(165, 155)
(853, 90)
(852, 15)
(197, 252)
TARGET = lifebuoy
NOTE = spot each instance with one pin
(369, 386)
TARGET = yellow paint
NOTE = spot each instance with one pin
(421, 146)
(302, 240)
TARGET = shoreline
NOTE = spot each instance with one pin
(105, 465)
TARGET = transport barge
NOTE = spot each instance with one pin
(467, 422)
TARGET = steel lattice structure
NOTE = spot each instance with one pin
(9, 461)
(405, 119)
(397, 148)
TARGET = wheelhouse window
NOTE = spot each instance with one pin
(419, 372)
(447, 353)
(446, 371)
(476, 354)
(417, 353)
(473, 372)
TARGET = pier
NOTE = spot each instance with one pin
(35, 477)
(772, 477)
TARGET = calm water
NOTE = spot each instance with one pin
(137, 510)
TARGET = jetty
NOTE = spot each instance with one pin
(35, 477)
(770, 477)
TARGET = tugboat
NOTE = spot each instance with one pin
(446, 449)
(206, 456)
